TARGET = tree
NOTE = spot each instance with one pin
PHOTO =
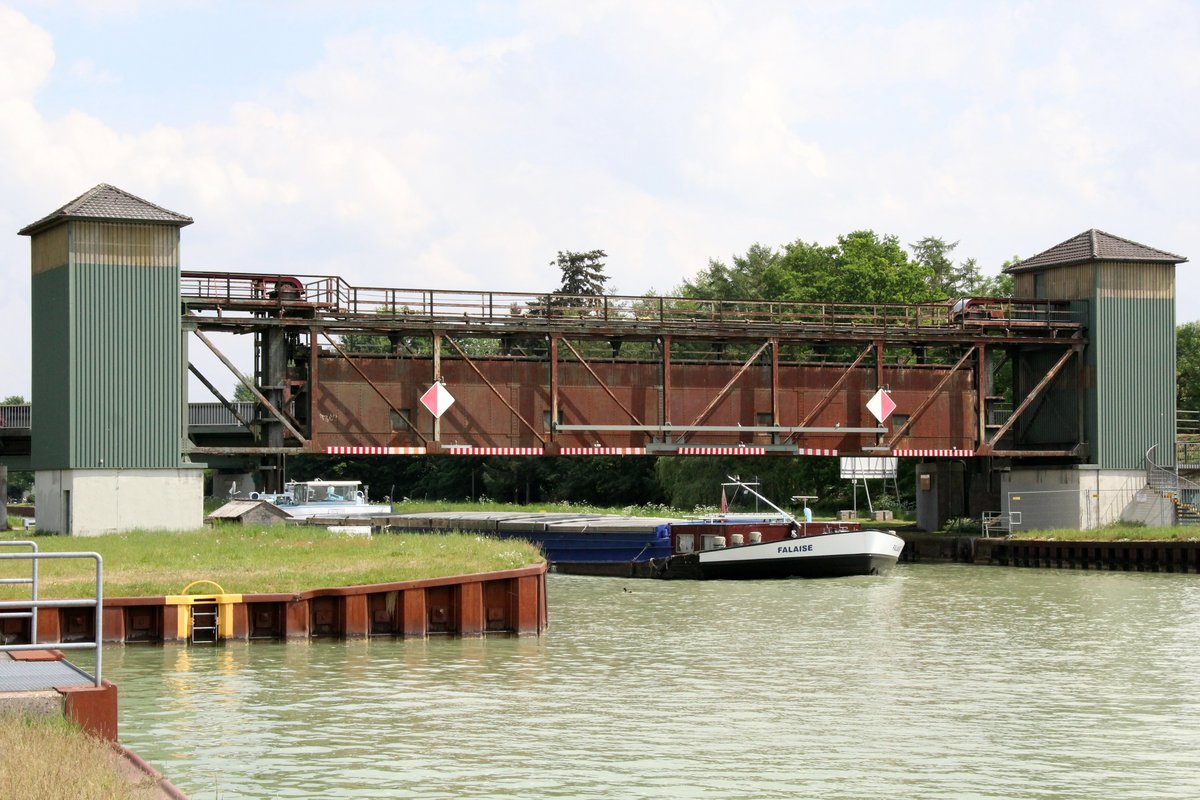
(863, 267)
(582, 273)
(949, 279)
(13, 400)
(1187, 369)
(747, 279)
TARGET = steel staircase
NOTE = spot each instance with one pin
(1184, 494)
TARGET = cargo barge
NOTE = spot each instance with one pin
(722, 546)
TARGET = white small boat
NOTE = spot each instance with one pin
(304, 499)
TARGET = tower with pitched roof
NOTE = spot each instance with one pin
(108, 368)
(1124, 391)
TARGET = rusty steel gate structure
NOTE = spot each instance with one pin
(342, 369)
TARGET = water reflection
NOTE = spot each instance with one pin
(938, 681)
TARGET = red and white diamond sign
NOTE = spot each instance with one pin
(881, 405)
(437, 399)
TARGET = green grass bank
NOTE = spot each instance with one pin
(261, 559)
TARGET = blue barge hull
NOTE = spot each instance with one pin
(598, 544)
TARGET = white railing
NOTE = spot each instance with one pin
(216, 414)
(999, 524)
(28, 609)
(16, 416)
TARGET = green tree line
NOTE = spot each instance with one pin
(860, 267)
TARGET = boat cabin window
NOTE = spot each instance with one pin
(685, 543)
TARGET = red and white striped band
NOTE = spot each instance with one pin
(935, 453)
(374, 451)
(467, 450)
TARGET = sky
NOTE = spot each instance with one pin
(461, 145)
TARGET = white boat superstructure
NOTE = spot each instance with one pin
(303, 499)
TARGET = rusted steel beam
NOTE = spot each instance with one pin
(1029, 398)
(929, 400)
(233, 450)
(774, 386)
(599, 381)
(666, 381)
(721, 394)
(314, 381)
(729, 330)
(437, 378)
(833, 390)
(554, 384)
(495, 391)
(249, 384)
(230, 407)
(378, 391)
(981, 383)
(878, 343)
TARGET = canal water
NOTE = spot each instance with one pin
(937, 681)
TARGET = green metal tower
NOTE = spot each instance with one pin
(108, 367)
(1126, 391)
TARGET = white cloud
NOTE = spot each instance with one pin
(87, 72)
(27, 56)
(665, 133)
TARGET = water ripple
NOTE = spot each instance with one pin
(936, 682)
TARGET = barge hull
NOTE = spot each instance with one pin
(840, 566)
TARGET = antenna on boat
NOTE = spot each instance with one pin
(736, 481)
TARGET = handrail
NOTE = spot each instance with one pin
(335, 294)
(1003, 521)
(33, 604)
(16, 416)
(32, 581)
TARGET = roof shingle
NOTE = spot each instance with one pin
(1095, 245)
(107, 202)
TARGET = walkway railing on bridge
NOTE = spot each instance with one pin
(199, 415)
(333, 295)
(14, 416)
(28, 609)
(217, 415)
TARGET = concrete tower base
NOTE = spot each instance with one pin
(89, 502)
(1081, 497)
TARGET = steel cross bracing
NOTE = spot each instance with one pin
(341, 368)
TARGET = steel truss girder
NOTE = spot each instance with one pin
(377, 390)
(989, 447)
(495, 391)
(868, 338)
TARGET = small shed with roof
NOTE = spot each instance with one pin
(248, 512)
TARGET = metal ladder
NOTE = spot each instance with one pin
(204, 623)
